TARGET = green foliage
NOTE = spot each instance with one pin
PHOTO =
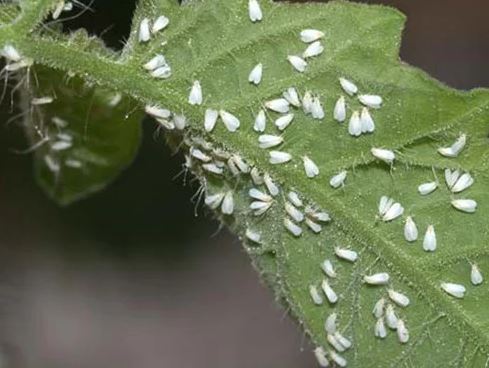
(215, 42)
(104, 138)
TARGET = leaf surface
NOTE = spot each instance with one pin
(216, 43)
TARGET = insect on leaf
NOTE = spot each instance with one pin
(401, 118)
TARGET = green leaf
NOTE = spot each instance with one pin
(216, 43)
(95, 128)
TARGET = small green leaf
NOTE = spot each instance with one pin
(84, 138)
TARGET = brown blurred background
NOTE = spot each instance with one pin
(130, 277)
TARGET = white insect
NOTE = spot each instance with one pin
(157, 112)
(402, 332)
(333, 341)
(366, 121)
(259, 208)
(315, 295)
(199, 155)
(180, 121)
(348, 86)
(241, 164)
(338, 180)
(429, 241)
(253, 236)
(284, 121)
(279, 157)
(465, 205)
(210, 119)
(11, 53)
(384, 204)
(163, 72)
(390, 317)
(307, 101)
(328, 269)
(68, 6)
(256, 176)
(166, 124)
(74, 164)
(293, 228)
(155, 62)
(144, 33)
(317, 111)
(393, 212)
(313, 226)
(230, 121)
(463, 182)
(339, 112)
(398, 298)
(297, 62)
(346, 254)
(372, 101)
(293, 212)
(232, 167)
(380, 331)
(213, 168)
(321, 358)
(455, 149)
(292, 96)
(59, 8)
(256, 74)
(269, 141)
(271, 186)
(377, 279)
(317, 216)
(451, 177)
(310, 167)
(354, 125)
(61, 145)
(459, 144)
(227, 206)
(330, 324)
(311, 35)
(195, 96)
(259, 195)
(346, 343)
(338, 359)
(455, 290)
(260, 122)
(45, 100)
(382, 154)
(329, 292)
(410, 230)
(427, 188)
(280, 105)
(214, 200)
(314, 49)
(65, 137)
(475, 275)
(379, 306)
(160, 24)
(389, 210)
(294, 198)
(254, 11)
(114, 100)
(60, 123)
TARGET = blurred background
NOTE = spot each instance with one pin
(131, 277)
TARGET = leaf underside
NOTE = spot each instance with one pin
(216, 43)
